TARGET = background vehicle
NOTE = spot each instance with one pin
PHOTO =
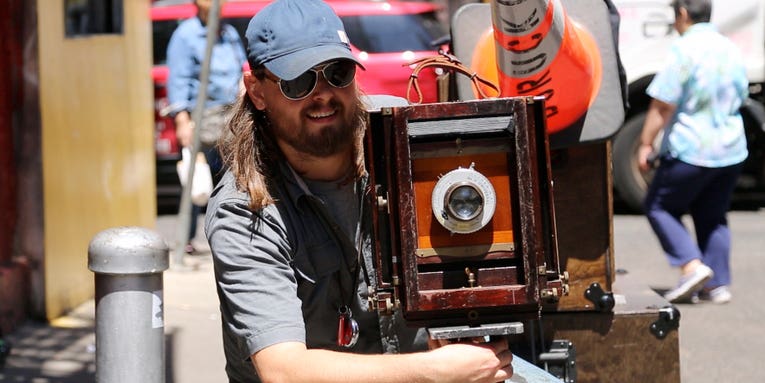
(385, 36)
(645, 35)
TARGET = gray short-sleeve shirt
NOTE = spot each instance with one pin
(280, 274)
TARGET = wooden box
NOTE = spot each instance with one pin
(489, 160)
(637, 342)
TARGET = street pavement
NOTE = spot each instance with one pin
(718, 343)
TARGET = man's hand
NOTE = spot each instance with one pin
(658, 116)
(645, 157)
(184, 128)
(473, 361)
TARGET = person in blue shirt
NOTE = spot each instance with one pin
(695, 102)
(185, 54)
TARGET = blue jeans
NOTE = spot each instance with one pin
(216, 169)
(705, 193)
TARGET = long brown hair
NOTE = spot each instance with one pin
(250, 153)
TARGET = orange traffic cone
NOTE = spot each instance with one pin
(541, 52)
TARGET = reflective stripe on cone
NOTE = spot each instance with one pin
(541, 52)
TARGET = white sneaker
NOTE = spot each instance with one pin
(689, 284)
(719, 295)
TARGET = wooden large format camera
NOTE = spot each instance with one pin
(465, 230)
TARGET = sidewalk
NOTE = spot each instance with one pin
(64, 350)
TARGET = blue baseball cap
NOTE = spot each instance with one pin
(289, 37)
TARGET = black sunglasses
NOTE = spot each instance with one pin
(339, 74)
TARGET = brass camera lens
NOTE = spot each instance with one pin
(464, 201)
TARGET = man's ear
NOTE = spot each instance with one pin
(682, 21)
(254, 90)
(683, 13)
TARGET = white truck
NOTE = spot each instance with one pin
(645, 35)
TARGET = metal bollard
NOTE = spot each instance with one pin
(130, 342)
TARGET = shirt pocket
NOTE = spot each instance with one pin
(316, 261)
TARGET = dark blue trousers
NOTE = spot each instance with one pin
(679, 188)
(216, 169)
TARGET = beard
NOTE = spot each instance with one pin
(329, 140)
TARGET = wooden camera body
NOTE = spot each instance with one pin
(465, 228)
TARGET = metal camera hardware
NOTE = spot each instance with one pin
(464, 200)
(464, 227)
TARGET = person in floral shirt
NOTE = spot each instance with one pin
(695, 103)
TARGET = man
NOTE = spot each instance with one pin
(185, 54)
(695, 101)
(289, 226)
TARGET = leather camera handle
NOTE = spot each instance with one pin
(450, 63)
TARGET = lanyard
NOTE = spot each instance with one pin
(348, 275)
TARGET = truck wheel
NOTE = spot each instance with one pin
(630, 183)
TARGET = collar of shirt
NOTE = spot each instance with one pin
(296, 187)
(201, 29)
(700, 28)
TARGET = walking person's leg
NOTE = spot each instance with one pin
(674, 188)
(216, 165)
(215, 162)
(709, 213)
(195, 211)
